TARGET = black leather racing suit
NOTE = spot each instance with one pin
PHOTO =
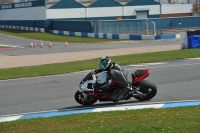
(120, 77)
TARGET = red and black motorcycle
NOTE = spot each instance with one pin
(91, 88)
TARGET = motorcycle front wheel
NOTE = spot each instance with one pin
(80, 99)
(146, 87)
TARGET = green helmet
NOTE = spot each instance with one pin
(104, 62)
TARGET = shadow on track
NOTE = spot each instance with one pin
(101, 105)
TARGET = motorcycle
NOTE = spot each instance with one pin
(92, 88)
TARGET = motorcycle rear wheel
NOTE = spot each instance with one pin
(80, 99)
(148, 88)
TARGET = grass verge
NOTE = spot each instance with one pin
(4, 47)
(61, 68)
(53, 37)
(170, 120)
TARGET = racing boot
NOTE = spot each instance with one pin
(120, 91)
(128, 95)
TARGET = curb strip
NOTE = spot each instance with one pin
(79, 111)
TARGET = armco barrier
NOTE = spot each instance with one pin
(116, 36)
(22, 28)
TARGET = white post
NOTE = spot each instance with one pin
(154, 28)
(147, 27)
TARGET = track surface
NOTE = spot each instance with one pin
(177, 80)
(59, 47)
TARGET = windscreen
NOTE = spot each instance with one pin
(87, 77)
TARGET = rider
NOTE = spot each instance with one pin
(117, 74)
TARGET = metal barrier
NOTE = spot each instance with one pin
(147, 26)
(124, 27)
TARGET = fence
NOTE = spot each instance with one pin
(147, 26)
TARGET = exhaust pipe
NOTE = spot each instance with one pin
(139, 94)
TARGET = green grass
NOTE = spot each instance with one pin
(170, 120)
(52, 37)
(4, 47)
(61, 68)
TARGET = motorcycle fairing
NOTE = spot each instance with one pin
(99, 95)
(140, 74)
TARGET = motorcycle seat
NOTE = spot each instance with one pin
(139, 73)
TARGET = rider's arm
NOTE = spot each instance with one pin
(97, 70)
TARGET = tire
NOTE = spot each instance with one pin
(148, 88)
(80, 99)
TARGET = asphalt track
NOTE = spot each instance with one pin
(176, 80)
(24, 45)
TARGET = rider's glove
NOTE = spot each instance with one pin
(97, 70)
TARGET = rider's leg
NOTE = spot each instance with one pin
(120, 91)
